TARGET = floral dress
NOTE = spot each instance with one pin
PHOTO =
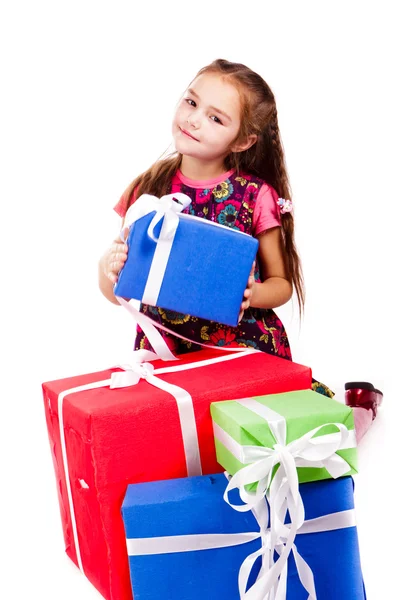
(231, 203)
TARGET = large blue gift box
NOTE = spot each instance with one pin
(173, 556)
(199, 269)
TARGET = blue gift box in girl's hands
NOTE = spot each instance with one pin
(183, 263)
(186, 543)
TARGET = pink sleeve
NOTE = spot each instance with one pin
(121, 207)
(266, 212)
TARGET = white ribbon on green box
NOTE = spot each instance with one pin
(273, 471)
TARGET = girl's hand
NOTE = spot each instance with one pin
(115, 257)
(248, 292)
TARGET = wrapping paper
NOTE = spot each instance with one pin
(173, 264)
(241, 424)
(133, 434)
(191, 514)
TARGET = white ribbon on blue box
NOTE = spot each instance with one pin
(184, 263)
(274, 472)
(184, 541)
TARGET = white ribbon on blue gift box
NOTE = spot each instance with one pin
(282, 492)
(207, 541)
(283, 495)
(167, 207)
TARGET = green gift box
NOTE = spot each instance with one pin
(318, 432)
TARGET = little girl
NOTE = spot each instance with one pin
(229, 160)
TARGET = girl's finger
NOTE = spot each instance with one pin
(116, 266)
(119, 247)
(245, 305)
(120, 257)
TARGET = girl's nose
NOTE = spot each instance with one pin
(193, 121)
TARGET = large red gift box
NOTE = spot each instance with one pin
(102, 439)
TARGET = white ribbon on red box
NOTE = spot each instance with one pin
(130, 376)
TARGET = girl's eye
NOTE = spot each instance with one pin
(217, 119)
(189, 101)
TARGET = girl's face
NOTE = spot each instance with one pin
(207, 119)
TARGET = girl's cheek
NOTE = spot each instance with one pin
(182, 114)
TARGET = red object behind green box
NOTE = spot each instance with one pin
(130, 435)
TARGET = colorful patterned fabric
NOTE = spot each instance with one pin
(231, 203)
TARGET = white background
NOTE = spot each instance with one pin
(88, 90)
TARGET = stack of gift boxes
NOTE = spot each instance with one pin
(219, 474)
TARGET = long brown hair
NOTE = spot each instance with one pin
(265, 159)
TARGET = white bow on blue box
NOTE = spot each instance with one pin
(184, 541)
(184, 263)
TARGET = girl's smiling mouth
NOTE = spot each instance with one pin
(188, 134)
